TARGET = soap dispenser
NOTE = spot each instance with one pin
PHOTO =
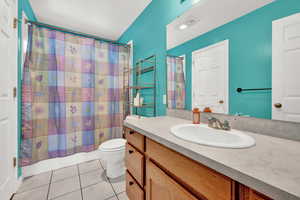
(196, 116)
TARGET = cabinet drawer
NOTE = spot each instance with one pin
(162, 187)
(133, 190)
(201, 180)
(135, 139)
(135, 163)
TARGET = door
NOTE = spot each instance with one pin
(8, 103)
(210, 78)
(161, 186)
(286, 69)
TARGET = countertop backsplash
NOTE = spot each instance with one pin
(280, 129)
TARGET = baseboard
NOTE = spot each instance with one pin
(57, 163)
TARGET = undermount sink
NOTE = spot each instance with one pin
(202, 134)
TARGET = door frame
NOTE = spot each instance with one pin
(13, 37)
(130, 44)
(226, 70)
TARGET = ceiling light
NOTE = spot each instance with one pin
(195, 1)
(183, 26)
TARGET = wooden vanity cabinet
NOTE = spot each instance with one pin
(155, 172)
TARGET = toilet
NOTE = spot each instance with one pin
(112, 153)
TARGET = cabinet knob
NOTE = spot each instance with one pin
(131, 183)
(131, 132)
(130, 151)
(278, 105)
(221, 101)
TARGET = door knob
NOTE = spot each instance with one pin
(221, 102)
(278, 105)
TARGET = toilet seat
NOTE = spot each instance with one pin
(113, 145)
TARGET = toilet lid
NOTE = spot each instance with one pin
(113, 145)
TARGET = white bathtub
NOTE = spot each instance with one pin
(56, 163)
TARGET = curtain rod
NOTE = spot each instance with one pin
(74, 32)
(175, 56)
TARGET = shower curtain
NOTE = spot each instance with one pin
(72, 94)
(175, 83)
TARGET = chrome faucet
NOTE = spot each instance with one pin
(217, 124)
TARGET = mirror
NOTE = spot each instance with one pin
(236, 60)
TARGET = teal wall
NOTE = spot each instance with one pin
(250, 50)
(23, 5)
(148, 33)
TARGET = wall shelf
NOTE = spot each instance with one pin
(143, 82)
(140, 70)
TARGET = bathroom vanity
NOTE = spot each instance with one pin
(161, 166)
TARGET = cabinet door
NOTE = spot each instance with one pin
(256, 196)
(162, 187)
(248, 194)
(134, 162)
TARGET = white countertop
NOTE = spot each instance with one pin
(272, 167)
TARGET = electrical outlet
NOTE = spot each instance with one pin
(164, 99)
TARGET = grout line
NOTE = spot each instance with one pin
(59, 196)
(112, 188)
(66, 178)
(93, 170)
(32, 189)
(92, 185)
(116, 194)
(101, 165)
(49, 185)
(60, 180)
(79, 182)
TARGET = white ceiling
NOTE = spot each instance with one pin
(209, 15)
(104, 18)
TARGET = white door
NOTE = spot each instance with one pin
(210, 78)
(8, 103)
(286, 69)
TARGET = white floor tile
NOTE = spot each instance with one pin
(64, 173)
(123, 196)
(118, 184)
(70, 196)
(89, 166)
(35, 194)
(100, 191)
(35, 182)
(63, 187)
(92, 177)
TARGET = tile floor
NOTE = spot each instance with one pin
(85, 181)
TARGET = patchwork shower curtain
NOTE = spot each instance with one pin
(72, 94)
(175, 83)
